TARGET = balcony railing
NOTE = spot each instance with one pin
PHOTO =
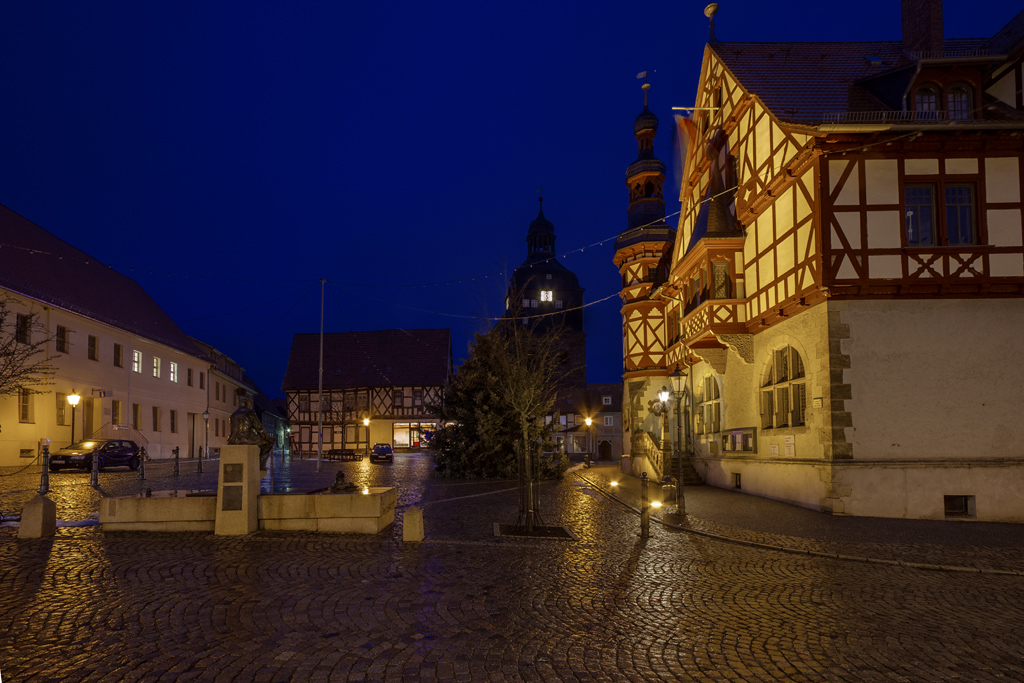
(941, 116)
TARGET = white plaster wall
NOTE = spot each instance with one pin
(915, 491)
(800, 483)
(74, 370)
(935, 379)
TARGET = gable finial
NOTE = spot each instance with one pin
(710, 12)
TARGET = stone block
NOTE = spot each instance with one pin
(38, 518)
(238, 489)
(164, 513)
(412, 524)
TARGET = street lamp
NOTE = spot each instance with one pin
(206, 439)
(366, 423)
(677, 381)
(73, 399)
(590, 435)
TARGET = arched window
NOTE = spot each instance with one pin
(708, 412)
(926, 102)
(958, 102)
(784, 391)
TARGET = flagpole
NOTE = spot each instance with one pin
(320, 388)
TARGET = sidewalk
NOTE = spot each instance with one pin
(960, 545)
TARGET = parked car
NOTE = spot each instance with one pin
(111, 452)
(382, 451)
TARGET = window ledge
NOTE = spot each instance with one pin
(780, 431)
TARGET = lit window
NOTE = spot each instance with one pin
(136, 361)
(156, 366)
(136, 416)
(549, 276)
(174, 374)
(958, 102)
(784, 391)
(546, 296)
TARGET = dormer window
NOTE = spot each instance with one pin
(926, 102)
(958, 102)
(546, 295)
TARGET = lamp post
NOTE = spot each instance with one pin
(366, 423)
(73, 399)
(677, 381)
(590, 437)
(206, 439)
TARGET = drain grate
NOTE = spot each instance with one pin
(549, 532)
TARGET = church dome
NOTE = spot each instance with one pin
(645, 121)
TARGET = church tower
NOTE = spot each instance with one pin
(546, 295)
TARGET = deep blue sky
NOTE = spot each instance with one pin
(379, 145)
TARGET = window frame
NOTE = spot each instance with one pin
(23, 328)
(783, 391)
(118, 355)
(940, 207)
(137, 361)
(156, 367)
(173, 374)
(63, 339)
(94, 348)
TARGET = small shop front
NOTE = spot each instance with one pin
(411, 434)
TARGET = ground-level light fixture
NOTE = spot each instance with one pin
(615, 483)
(655, 503)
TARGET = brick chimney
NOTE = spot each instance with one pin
(922, 25)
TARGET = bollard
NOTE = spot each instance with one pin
(44, 480)
(142, 464)
(645, 508)
(177, 469)
(95, 480)
(199, 461)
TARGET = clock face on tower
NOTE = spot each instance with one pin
(546, 295)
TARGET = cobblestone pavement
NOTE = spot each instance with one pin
(463, 606)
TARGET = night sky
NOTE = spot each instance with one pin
(228, 156)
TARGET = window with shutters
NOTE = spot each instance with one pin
(708, 414)
(784, 391)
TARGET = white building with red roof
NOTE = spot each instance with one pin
(139, 376)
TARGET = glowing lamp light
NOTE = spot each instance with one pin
(366, 422)
(366, 491)
(663, 396)
(74, 398)
(655, 503)
(589, 422)
(615, 483)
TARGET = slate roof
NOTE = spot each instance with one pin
(379, 358)
(1008, 38)
(805, 82)
(38, 265)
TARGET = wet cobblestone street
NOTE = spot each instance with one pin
(464, 606)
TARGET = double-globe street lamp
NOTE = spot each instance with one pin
(590, 438)
(366, 423)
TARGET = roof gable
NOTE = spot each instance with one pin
(38, 265)
(378, 358)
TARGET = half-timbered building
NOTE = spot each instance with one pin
(845, 291)
(389, 377)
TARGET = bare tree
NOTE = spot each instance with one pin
(24, 362)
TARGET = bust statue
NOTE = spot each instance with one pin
(247, 429)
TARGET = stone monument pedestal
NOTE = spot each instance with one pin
(238, 488)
